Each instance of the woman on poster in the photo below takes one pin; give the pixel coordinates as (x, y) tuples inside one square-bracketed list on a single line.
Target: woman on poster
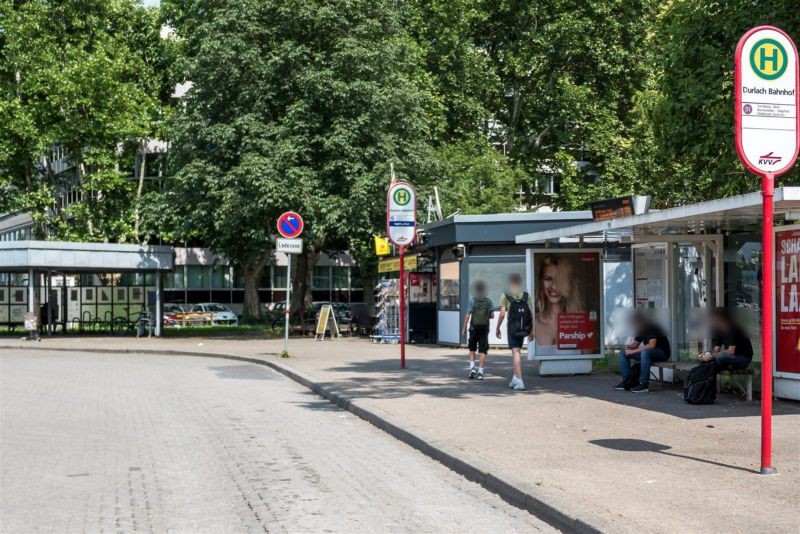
[(557, 291)]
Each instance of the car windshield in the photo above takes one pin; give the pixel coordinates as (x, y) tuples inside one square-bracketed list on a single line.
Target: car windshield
[(172, 308), (217, 308)]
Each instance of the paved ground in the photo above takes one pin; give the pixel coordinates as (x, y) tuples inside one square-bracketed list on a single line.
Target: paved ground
[(114, 442), (618, 461)]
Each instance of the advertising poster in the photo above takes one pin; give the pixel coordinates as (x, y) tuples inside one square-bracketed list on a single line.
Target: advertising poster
[(566, 303), (787, 301)]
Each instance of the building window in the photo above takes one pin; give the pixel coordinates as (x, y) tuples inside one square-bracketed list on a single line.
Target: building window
[(450, 287), (220, 277), (340, 277), (177, 278), (197, 277), (495, 276), (279, 277), (322, 278)]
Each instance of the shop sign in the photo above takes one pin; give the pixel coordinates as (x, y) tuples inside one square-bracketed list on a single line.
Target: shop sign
[(390, 265)]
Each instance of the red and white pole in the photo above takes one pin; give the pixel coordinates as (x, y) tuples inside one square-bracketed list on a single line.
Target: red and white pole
[(767, 311), (402, 294)]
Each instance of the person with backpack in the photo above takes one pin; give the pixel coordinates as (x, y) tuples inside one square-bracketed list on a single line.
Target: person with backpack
[(516, 305), (480, 311), (651, 345)]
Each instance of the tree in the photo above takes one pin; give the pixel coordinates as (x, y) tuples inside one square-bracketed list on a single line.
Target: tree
[(693, 117), (75, 79), (474, 178), (295, 105)]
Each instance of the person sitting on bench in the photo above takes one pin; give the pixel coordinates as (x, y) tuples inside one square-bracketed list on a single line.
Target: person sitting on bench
[(651, 345), (732, 348)]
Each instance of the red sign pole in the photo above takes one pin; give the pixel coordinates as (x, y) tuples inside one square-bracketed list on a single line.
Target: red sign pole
[(767, 97), (767, 311), (402, 307)]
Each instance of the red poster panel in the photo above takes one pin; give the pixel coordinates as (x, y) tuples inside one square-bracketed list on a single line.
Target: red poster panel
[(787, 301), (577, 330)]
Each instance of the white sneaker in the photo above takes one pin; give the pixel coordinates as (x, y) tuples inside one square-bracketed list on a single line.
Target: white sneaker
[(516, 384)]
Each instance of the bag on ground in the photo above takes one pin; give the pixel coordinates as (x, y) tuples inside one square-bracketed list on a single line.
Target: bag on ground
[(520, 319), (700, 386), (481, 312)]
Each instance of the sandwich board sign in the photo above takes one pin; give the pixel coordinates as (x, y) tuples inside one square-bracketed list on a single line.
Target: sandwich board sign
[(326, 316), (767, 100), (401, 214)]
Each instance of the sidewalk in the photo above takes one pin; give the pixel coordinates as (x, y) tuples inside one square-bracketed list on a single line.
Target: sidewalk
[(613, 460)]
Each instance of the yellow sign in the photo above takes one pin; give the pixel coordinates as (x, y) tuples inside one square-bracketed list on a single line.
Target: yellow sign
[(326, 315), (390, 265), (382, 246)]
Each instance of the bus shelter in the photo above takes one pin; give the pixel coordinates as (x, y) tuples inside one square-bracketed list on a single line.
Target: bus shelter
[(82, 287), (688, 259)]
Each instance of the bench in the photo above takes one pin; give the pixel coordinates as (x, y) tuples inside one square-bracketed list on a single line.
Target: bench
[(743, 372), (686, 366)]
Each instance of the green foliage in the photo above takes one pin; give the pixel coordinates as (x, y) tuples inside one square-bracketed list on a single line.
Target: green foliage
[(295, 105), (474, 178), (76, 75), (694, 120)]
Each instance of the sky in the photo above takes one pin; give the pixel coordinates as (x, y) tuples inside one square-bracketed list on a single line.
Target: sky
[(151, 2)]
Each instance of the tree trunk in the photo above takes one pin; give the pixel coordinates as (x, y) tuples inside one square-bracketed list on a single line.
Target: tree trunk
[(368, 279), (142, 152), (252, 300)]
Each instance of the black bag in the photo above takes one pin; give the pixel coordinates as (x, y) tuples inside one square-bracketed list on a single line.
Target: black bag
[(700, 386), (481, 312), (520, 318), (633, 376)]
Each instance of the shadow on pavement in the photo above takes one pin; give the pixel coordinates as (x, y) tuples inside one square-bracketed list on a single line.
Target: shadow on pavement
[(445, 377), (640, 445)]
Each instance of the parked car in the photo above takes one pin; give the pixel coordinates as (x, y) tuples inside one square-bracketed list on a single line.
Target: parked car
[(173, 315), (220, 315)]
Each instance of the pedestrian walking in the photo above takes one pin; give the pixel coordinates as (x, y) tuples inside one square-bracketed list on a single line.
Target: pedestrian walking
[(480, 311), (516, 304)]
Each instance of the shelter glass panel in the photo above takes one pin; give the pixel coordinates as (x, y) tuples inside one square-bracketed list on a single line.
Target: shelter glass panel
[(495, 274)]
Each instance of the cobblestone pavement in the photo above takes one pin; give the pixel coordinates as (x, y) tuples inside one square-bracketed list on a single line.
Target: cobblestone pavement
[(94, 442)]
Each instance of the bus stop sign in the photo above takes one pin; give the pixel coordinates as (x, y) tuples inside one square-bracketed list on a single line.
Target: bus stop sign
[(767, 100), (401, 213)]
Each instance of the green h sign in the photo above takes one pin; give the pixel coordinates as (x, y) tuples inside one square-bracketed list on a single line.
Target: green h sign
[(402, 197), (768, 59)]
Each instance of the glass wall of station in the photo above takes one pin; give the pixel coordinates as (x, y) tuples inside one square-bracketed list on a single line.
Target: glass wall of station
[(78, 302), (191, 284)]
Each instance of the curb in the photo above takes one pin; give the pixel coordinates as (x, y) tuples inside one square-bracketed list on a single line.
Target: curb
[(508, 492)]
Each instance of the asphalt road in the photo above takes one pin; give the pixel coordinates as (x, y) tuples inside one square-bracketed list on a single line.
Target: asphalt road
[(93, 442)]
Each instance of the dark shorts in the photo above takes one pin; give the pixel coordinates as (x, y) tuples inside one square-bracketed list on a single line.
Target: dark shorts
[(515, 342), (479, 339)]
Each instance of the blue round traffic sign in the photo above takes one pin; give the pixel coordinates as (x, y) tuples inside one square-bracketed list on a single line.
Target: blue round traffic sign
[(290, 225)]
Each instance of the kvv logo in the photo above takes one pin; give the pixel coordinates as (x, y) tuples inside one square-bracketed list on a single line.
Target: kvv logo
[(769, 159), (768, 59)]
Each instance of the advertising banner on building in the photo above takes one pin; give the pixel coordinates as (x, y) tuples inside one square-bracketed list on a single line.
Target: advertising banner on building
[(787, 301), (567, 303)]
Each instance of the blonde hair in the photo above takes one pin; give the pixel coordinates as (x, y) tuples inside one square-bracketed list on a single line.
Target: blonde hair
[(564, 281)]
